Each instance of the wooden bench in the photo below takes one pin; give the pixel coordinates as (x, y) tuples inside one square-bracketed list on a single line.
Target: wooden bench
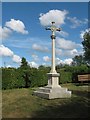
[(85, 77)]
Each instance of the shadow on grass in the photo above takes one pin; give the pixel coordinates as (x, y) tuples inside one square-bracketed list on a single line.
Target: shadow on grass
[(28, 106), (75, 107), (81, 93)]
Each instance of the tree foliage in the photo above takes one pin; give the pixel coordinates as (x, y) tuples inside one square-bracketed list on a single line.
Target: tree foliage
[(78, 60), (24, 76), (25, 68), (86, 46), (24, 63), (11, 78)]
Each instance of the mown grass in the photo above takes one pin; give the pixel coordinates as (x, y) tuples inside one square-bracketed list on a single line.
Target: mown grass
[(20, 103)]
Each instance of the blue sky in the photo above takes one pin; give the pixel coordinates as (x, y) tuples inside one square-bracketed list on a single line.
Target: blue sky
[(24, 34)]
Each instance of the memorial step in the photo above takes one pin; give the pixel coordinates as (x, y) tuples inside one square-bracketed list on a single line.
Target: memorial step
[(41, 94), (43, 89), (52, 95)]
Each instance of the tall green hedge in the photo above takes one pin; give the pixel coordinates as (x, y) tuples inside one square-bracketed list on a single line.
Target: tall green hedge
[(13, 78), (65, 77), (77, 70)]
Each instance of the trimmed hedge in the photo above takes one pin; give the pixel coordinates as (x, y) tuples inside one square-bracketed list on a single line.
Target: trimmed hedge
[(14, 78), (65, 77), (11, 78), (76, 70)]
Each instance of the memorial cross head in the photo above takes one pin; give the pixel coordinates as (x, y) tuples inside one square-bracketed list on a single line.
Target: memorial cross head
[(53, 29)]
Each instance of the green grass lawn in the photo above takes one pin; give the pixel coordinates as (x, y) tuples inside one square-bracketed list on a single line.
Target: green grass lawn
[(20, 103)]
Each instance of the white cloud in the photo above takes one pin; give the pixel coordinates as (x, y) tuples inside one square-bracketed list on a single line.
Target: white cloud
[(65, 61), (35, 57), (68, 53), (85, 21), (66, 44), (57, 16), (4, 33), (58, 61), (33, 64), (62, 33), (8, 66), (67, 48), (58, 51), (10, 26), (76, 22), (74, 52), (83, 32), (16, 58), (40, 48), (68, 61), (46, 59), (5, 51), (17, 26)]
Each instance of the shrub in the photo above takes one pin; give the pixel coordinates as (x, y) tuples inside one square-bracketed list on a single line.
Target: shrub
[(65, 77), (11, 78)]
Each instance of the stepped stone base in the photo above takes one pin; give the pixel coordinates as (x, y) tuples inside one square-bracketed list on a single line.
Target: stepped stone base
[(52, 93), (53, 89)]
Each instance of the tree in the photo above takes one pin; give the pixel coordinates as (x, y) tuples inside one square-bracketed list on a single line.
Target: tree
[(86, 46), (26, 77), (24, 63), (41, 67), (78, 60), (25, 68)]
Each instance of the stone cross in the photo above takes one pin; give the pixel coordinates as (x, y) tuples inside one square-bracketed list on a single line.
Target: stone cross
[(53, 29), (53, 89)]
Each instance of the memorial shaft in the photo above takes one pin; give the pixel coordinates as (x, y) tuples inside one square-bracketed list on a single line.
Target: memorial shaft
[(53, 30), (53, 54), (53, 90)]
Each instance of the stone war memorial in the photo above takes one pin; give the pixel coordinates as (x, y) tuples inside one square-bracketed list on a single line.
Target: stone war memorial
[(53, 89)]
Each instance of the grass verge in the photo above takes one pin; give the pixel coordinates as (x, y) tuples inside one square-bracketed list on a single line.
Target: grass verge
[(20, 103)]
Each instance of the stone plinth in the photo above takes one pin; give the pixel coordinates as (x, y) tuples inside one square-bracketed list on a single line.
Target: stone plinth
[(53, 89)]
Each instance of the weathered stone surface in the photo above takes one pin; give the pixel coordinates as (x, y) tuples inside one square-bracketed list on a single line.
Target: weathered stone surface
[(52, 92), (53, 89)]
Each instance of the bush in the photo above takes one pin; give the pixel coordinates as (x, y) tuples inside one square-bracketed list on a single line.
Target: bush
[(65, 77), (11, 78), (15, 78), (76, 70), (39, 77)]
